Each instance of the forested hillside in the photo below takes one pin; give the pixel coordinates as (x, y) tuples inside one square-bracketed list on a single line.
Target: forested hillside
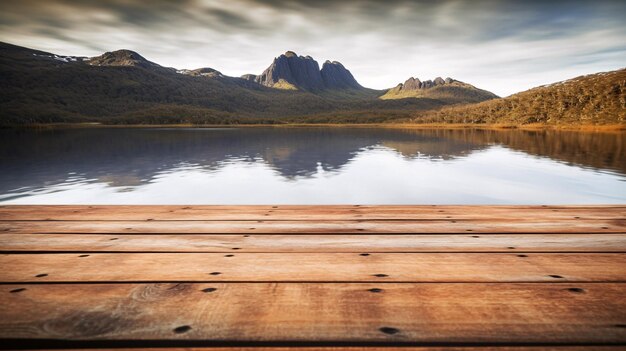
[(592, 99)]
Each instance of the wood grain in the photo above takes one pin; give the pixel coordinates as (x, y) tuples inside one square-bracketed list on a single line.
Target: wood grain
[(430, 314), (319, 267), (371, 348), (381, 277), (314, 243), (284, 212), (315, 227)]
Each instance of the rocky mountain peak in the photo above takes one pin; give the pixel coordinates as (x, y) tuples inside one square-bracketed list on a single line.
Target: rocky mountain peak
[(447, 89), (416, 84), (336, 76), (303, 73), (121, 58), (294, 71), (412, 84)]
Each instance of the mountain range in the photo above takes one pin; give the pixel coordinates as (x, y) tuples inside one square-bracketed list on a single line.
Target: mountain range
[(123, 87)]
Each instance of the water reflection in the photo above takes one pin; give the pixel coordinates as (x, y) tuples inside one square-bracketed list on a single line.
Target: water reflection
[(37, 163)]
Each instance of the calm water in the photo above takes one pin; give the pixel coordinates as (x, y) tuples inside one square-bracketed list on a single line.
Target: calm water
[(310, 166)]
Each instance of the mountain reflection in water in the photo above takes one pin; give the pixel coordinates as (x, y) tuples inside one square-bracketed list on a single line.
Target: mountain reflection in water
[(37, 163)]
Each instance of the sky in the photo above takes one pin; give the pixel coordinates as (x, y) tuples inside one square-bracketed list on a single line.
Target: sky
[(503, 46)]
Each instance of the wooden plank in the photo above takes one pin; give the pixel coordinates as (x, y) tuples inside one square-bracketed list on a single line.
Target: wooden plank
[(315, 243), (412, 314), (309, 267), (346, 212), (371, 348), (313, 227)]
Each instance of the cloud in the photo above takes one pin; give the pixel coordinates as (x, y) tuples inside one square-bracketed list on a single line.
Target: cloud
[(503, 46)]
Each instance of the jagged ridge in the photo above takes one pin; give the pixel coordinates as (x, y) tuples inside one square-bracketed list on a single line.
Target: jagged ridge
[(450, 89), (336, 76), (303, 73)]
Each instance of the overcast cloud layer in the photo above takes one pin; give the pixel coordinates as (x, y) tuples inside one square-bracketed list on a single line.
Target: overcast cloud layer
[(501, 46)]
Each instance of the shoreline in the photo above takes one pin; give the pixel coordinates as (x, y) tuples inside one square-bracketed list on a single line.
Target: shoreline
[(581, 128)]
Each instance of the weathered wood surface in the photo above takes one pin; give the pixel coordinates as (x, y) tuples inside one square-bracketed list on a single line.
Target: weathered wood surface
[(332, 277), (268, 312), (317, 227), (314, 243), (373, 348), (320, 267), (289, 212)]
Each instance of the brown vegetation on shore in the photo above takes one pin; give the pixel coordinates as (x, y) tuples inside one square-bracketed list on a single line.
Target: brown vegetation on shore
[(587, 100)]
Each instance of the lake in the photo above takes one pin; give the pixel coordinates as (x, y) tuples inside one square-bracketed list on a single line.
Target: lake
[(346, 165)]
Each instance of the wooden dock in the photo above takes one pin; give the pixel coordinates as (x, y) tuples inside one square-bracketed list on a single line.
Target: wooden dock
[(324, 277)]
